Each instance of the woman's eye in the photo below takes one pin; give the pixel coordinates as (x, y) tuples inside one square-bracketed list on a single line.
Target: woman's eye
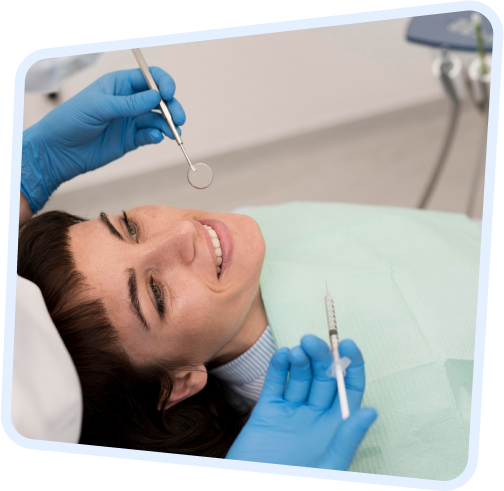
[(130, 227), (156, 290), (132, 231), (159, 296)]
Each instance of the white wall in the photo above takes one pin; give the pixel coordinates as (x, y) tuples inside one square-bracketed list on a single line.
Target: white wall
[(245, 91)]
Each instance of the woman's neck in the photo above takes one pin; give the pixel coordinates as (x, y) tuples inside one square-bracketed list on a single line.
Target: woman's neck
[(252, 329)]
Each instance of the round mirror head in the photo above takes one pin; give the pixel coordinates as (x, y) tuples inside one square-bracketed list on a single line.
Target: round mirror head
[(201, 178)]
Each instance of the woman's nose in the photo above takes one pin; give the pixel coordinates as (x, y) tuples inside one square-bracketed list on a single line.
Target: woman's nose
[(174, 244)]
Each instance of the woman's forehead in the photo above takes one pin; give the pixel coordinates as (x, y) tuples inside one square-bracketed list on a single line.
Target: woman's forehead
[(164, 212), (158, 209)]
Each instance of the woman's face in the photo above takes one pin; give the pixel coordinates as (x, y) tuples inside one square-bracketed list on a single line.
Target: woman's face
[(156, 269)]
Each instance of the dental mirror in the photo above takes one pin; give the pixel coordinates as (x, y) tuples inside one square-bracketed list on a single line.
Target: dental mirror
[(201, 177)]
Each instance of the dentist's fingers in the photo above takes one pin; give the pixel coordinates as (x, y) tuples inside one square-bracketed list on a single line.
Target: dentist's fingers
[(156, 120), (355, 379), (276, 376), (147, 136), (153, 120), (164, 82), (323, 387), (300, 376), (109, 107), (346, 441), (177, 112)]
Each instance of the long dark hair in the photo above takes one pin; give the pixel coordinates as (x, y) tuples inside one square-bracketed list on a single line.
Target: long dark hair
[(120, 398)]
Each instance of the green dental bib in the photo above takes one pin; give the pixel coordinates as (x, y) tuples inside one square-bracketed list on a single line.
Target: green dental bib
[(405, 285)]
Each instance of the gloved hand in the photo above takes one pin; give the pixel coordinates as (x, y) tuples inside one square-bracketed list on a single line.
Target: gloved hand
[(301, 424), (100, 124)]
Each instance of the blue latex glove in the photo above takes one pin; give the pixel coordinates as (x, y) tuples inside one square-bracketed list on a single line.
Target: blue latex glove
[(100, 124), (300, 424)]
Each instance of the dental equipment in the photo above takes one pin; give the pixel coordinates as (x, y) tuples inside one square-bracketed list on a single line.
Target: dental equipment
[(449, 69), (457, 31), (476, 22), (339, 365), (200, 176)]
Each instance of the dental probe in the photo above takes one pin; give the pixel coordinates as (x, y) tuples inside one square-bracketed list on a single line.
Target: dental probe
[(200, 176), (339, 363)]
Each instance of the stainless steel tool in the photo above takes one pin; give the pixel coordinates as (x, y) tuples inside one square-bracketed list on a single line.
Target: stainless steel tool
[(200, 176)]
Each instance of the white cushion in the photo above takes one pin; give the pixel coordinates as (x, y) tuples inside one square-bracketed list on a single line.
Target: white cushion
[(46, 393)]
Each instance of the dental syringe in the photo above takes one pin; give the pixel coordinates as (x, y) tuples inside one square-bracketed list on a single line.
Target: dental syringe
[(339, 364)]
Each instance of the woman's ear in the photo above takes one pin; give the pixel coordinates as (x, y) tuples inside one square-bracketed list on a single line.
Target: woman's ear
[(186, 383)]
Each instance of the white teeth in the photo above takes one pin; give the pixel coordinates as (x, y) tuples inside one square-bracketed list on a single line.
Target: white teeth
[(216, 245)]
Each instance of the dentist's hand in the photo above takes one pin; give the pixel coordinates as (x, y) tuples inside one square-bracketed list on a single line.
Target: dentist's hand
[(100, 124), (300, 424)]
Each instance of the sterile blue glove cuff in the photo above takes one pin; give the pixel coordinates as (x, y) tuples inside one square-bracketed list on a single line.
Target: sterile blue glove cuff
[(35, 164)]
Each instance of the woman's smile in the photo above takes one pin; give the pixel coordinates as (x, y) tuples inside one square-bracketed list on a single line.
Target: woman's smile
[(211, 247), (220, 243)]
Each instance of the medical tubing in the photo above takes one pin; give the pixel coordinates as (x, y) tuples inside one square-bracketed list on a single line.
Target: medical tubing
[(454, 116), (480, 165)]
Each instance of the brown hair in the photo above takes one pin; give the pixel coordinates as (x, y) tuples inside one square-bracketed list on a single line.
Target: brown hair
[(120, 398)]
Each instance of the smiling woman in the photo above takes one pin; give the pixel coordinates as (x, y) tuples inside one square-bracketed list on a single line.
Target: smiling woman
[(143, 310), (155, 270)]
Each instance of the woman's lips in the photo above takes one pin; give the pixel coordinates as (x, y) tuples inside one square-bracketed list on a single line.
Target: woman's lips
[(225, 239)]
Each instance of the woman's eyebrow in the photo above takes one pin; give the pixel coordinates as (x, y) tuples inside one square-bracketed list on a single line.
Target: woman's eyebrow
[(132, 281), (104, 219), (133, 297)]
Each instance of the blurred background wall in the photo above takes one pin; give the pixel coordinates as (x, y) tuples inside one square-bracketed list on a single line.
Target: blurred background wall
[(347, 113)]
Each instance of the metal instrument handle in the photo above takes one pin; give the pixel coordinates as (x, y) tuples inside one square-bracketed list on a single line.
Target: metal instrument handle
[(152, 85)]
